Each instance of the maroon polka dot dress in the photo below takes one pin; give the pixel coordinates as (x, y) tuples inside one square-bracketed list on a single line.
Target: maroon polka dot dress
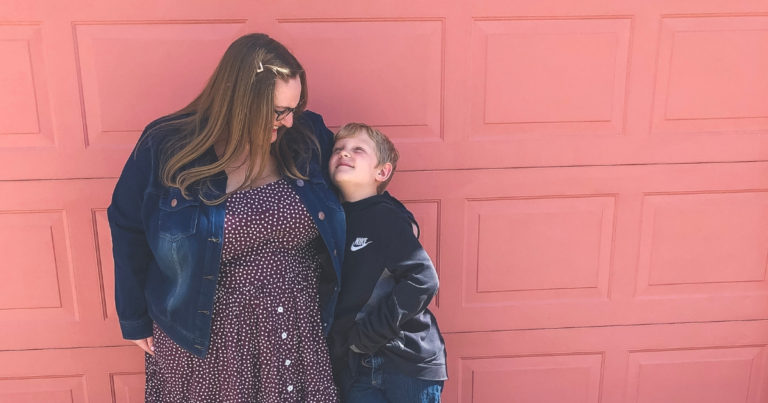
[(266, 339)]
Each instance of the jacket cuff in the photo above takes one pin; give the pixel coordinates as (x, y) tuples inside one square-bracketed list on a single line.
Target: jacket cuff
[(136, 329)]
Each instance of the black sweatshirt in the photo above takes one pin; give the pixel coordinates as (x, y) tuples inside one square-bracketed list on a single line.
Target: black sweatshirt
[(387, 282)]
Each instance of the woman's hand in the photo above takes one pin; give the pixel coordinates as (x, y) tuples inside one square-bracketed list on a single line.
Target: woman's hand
[(147, 344)]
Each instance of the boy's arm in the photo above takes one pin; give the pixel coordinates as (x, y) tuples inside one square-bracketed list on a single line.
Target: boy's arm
[(416, 283)]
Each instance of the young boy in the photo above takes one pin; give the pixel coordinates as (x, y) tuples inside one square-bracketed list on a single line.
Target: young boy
[(385, 344)]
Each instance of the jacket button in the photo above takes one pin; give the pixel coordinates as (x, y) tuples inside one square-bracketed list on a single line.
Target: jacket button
[(321, 215), (174, 202), (334, 252), (299, 182)]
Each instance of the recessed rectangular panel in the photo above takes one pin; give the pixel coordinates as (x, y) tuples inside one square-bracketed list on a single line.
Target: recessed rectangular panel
[(128, 387), (549, 75), (712, 74), (694, 376), (18, 106), (521, 67), (85, 374), (556, 244), (49, 389), (134, 73), (708, 362), (31, 246), (387, 73), (50, 265), (525, 379), (24, 110), (704, 238)]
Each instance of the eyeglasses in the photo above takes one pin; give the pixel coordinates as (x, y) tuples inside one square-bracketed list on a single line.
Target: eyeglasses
[(280, 115)]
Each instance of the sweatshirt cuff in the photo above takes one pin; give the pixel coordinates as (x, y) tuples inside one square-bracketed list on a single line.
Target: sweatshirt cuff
[(136, 329)]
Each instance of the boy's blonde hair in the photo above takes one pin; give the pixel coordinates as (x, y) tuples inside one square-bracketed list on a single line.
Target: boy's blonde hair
[(385, 150)]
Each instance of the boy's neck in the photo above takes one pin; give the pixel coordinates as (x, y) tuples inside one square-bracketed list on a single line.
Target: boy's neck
[(357, 194)]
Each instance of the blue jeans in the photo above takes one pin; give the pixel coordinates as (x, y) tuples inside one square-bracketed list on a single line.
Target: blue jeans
[(368, 383)]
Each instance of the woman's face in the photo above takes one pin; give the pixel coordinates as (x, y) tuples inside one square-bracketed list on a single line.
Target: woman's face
[(287, 96)]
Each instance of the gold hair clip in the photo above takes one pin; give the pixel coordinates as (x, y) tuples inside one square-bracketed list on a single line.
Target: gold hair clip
[(275, 69), (280, 70)]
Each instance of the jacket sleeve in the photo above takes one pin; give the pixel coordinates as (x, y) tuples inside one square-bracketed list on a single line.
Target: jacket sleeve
[(415, 285), (130, 249)]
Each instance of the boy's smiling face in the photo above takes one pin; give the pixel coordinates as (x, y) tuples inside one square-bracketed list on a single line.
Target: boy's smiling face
[(354, 167)]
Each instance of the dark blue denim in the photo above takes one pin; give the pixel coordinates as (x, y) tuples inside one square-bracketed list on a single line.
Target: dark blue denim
[(167, 248), (367, 382)]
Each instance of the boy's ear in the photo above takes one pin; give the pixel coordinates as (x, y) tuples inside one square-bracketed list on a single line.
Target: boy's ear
[(384, 172)]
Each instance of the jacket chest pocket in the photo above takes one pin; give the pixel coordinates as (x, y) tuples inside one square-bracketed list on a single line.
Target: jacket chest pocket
[(178, 216)]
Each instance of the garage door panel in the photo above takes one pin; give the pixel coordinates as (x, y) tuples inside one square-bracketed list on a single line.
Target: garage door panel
[(169, 62), (711, 76), (687, 363), (525, 81), (640, 88), (518, 245), (128, 387), (577, 377), (54, 237), (696, 375), (41, 281), (45, 389), (599, 245), (404, 99), (25, 117), (704, 238), (72, 375)]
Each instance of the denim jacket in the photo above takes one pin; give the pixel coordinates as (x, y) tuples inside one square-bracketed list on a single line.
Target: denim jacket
[(167, 249)]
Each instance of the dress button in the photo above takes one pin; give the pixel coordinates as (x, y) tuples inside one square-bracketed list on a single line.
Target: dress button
[(174, 202), (321, 215), (287, 362), (299, 182), (280, 309), (284, 335), (290, 388)]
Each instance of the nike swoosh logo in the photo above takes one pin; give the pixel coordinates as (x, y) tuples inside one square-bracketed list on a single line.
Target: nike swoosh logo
[(355, 248)]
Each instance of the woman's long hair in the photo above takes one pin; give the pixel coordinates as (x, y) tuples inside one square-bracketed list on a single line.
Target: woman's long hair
[(235, 111)]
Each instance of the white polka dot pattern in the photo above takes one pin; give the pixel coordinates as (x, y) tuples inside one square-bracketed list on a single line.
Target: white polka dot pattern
[(266, 339)]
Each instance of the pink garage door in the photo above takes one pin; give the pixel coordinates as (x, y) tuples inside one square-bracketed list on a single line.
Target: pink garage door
[(591, 178)]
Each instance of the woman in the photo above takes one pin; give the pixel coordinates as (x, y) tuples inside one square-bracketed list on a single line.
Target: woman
[(227, 240)]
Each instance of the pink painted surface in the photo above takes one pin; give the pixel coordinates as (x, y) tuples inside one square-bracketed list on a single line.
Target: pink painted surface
[(591, 179)]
